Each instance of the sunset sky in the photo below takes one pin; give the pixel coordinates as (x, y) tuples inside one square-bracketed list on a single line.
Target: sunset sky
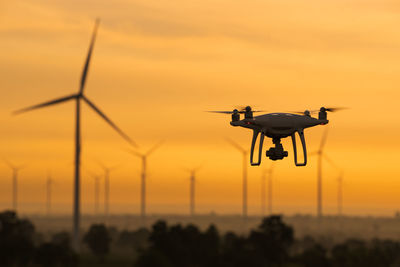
[(158, 65)]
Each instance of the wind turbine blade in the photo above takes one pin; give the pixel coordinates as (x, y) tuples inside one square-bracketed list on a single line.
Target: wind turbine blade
[(102, 165), (323, 140), (198, 168), (93, 175), (20, 167), (9, 164), (330, 161), (236, 145), (135, 153), (89, 56), (151, 150), (313, 153), (45, 104), (115, 127)]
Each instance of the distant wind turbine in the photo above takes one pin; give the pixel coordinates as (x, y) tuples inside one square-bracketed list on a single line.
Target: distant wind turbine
[(321, 155), (266, 178), (340, 194), (107, 171), (15, 171), (143, 157), (97, 179), (49, 183), (245, 153), (77, 97), (192, 189)]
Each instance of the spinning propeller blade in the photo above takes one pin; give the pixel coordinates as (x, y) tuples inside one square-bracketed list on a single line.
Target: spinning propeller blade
[(222, 112), (333, 109), (231, 112)]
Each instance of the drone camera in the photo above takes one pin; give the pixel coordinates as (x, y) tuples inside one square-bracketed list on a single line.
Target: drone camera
[(277, 152)]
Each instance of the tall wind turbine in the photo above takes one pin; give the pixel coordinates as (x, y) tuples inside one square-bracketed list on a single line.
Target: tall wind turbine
[(192, 189), (321, 156), (15, 171), (143, 157), (107, 171), (245, 154), (49, 183), (77, 97), (266, 178)]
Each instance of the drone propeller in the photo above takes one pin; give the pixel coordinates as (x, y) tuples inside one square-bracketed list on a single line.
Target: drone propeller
[(224, 112), (240, 110), (231, 112), (333, 109)]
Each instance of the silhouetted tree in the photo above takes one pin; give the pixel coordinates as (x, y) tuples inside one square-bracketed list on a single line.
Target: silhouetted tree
[(137, 240), (236, 252), (98, 240), (359, 253), (58, 252), (16, 240), (271, 241), (181, 246), (314, 256)]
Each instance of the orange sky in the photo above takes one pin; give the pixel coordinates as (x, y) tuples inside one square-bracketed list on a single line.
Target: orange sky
[(157, 65)]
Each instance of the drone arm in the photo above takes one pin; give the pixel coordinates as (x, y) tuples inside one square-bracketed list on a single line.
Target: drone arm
[(303, 142), (253, 143)]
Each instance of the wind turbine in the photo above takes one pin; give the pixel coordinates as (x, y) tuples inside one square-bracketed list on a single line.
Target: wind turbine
[(266, 177), (244, 174), (107, 171), (321, 156), (340, 194), (192, 189), (15, 170), (96, 192), (49, 183), (77, 97), (143, 157)]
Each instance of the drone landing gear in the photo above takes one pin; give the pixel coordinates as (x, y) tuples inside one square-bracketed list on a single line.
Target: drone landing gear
[(277, 152)]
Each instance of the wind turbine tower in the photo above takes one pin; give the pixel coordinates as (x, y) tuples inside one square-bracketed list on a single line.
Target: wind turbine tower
[(340, 194), (192, 190), (245, 154), (78, 97), (266, 179), (49, 183), (15, 171), (143, 157), (321, 156), (107, 171), (96, 179)]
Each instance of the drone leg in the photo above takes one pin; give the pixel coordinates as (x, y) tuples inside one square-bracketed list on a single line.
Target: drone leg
[(253, 143), (303, 142)]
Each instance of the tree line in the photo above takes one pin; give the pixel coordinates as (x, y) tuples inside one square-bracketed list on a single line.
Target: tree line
[(272, 243)]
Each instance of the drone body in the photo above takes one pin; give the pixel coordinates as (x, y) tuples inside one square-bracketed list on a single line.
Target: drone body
[(277, 126)]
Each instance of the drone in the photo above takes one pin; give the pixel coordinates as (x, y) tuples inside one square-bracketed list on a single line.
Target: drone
[(278, 126)]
